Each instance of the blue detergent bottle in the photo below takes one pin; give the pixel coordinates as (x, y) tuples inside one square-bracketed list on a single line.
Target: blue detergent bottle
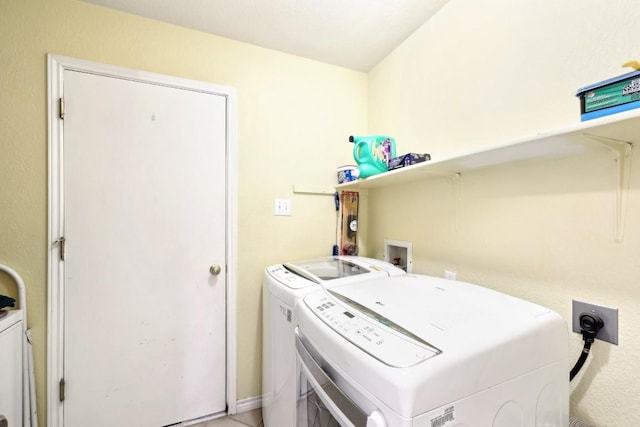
[(372, 153)]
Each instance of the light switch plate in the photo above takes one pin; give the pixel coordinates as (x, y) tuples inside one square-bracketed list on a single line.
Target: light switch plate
[(282, 207)]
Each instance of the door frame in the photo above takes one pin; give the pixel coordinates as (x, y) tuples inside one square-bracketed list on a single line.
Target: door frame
[(56, 65)]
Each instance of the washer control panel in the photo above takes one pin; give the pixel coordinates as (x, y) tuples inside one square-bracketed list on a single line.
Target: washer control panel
[(286, 277), (370, 335)]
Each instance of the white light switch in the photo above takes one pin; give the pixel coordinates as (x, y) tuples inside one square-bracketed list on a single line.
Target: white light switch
[(283, 207)]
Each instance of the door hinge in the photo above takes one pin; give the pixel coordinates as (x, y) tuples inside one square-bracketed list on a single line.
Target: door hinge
[(61, 108), (61, 390), (61, 245)]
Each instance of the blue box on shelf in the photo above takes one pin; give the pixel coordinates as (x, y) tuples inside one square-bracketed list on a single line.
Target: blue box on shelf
[(407, 160), (610, 96)]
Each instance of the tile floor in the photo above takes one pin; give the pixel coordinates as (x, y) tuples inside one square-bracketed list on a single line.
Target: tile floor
[(250, 419)]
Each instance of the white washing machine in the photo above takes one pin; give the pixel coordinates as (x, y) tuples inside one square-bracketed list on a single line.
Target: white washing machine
[(419, 351), (11, 368), (283, 285)]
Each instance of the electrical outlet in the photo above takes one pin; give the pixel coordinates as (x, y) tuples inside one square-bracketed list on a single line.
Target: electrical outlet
[(450, 275), (609, 316)]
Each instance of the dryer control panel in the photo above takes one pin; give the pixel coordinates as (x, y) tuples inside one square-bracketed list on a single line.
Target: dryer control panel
[(286, 277), (329, 270), (380, 339)]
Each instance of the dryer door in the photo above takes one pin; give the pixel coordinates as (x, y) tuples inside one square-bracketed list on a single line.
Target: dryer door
[(323, 400)]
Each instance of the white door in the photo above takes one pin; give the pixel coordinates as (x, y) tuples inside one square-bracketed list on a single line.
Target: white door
[(144, 219)]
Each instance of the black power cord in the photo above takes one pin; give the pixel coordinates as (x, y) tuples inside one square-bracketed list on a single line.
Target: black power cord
[(6, 302), (590, 324)]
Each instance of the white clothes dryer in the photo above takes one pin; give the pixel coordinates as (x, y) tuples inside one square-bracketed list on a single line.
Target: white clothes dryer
[(420, 351), (11, 368), (283, 284)]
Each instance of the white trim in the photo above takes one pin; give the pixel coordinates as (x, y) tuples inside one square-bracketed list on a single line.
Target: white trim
[(243, 405), (56, 65), (232, 247), (249, 404), (55, 269)]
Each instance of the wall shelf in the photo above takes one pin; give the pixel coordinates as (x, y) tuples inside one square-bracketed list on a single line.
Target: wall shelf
[(617, 132)]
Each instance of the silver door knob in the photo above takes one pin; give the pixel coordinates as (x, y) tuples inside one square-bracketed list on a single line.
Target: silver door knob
[(215, 269)]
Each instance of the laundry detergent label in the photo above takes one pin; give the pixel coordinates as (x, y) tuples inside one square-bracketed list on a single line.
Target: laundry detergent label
[(286, 313), (447, 417), (611, 95)]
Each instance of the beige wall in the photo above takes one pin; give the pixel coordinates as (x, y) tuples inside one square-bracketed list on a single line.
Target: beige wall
[(477, 74), (484, 73), (295, 116)]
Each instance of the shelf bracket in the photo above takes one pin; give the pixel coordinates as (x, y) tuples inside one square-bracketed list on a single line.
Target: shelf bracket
[(621, 151), (315, 191)]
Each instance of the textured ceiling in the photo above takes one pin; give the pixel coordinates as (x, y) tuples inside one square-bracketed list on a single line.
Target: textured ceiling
[(355, 34)]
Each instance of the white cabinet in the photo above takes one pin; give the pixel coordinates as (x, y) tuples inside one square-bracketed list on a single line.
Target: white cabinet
[(11, 369)]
